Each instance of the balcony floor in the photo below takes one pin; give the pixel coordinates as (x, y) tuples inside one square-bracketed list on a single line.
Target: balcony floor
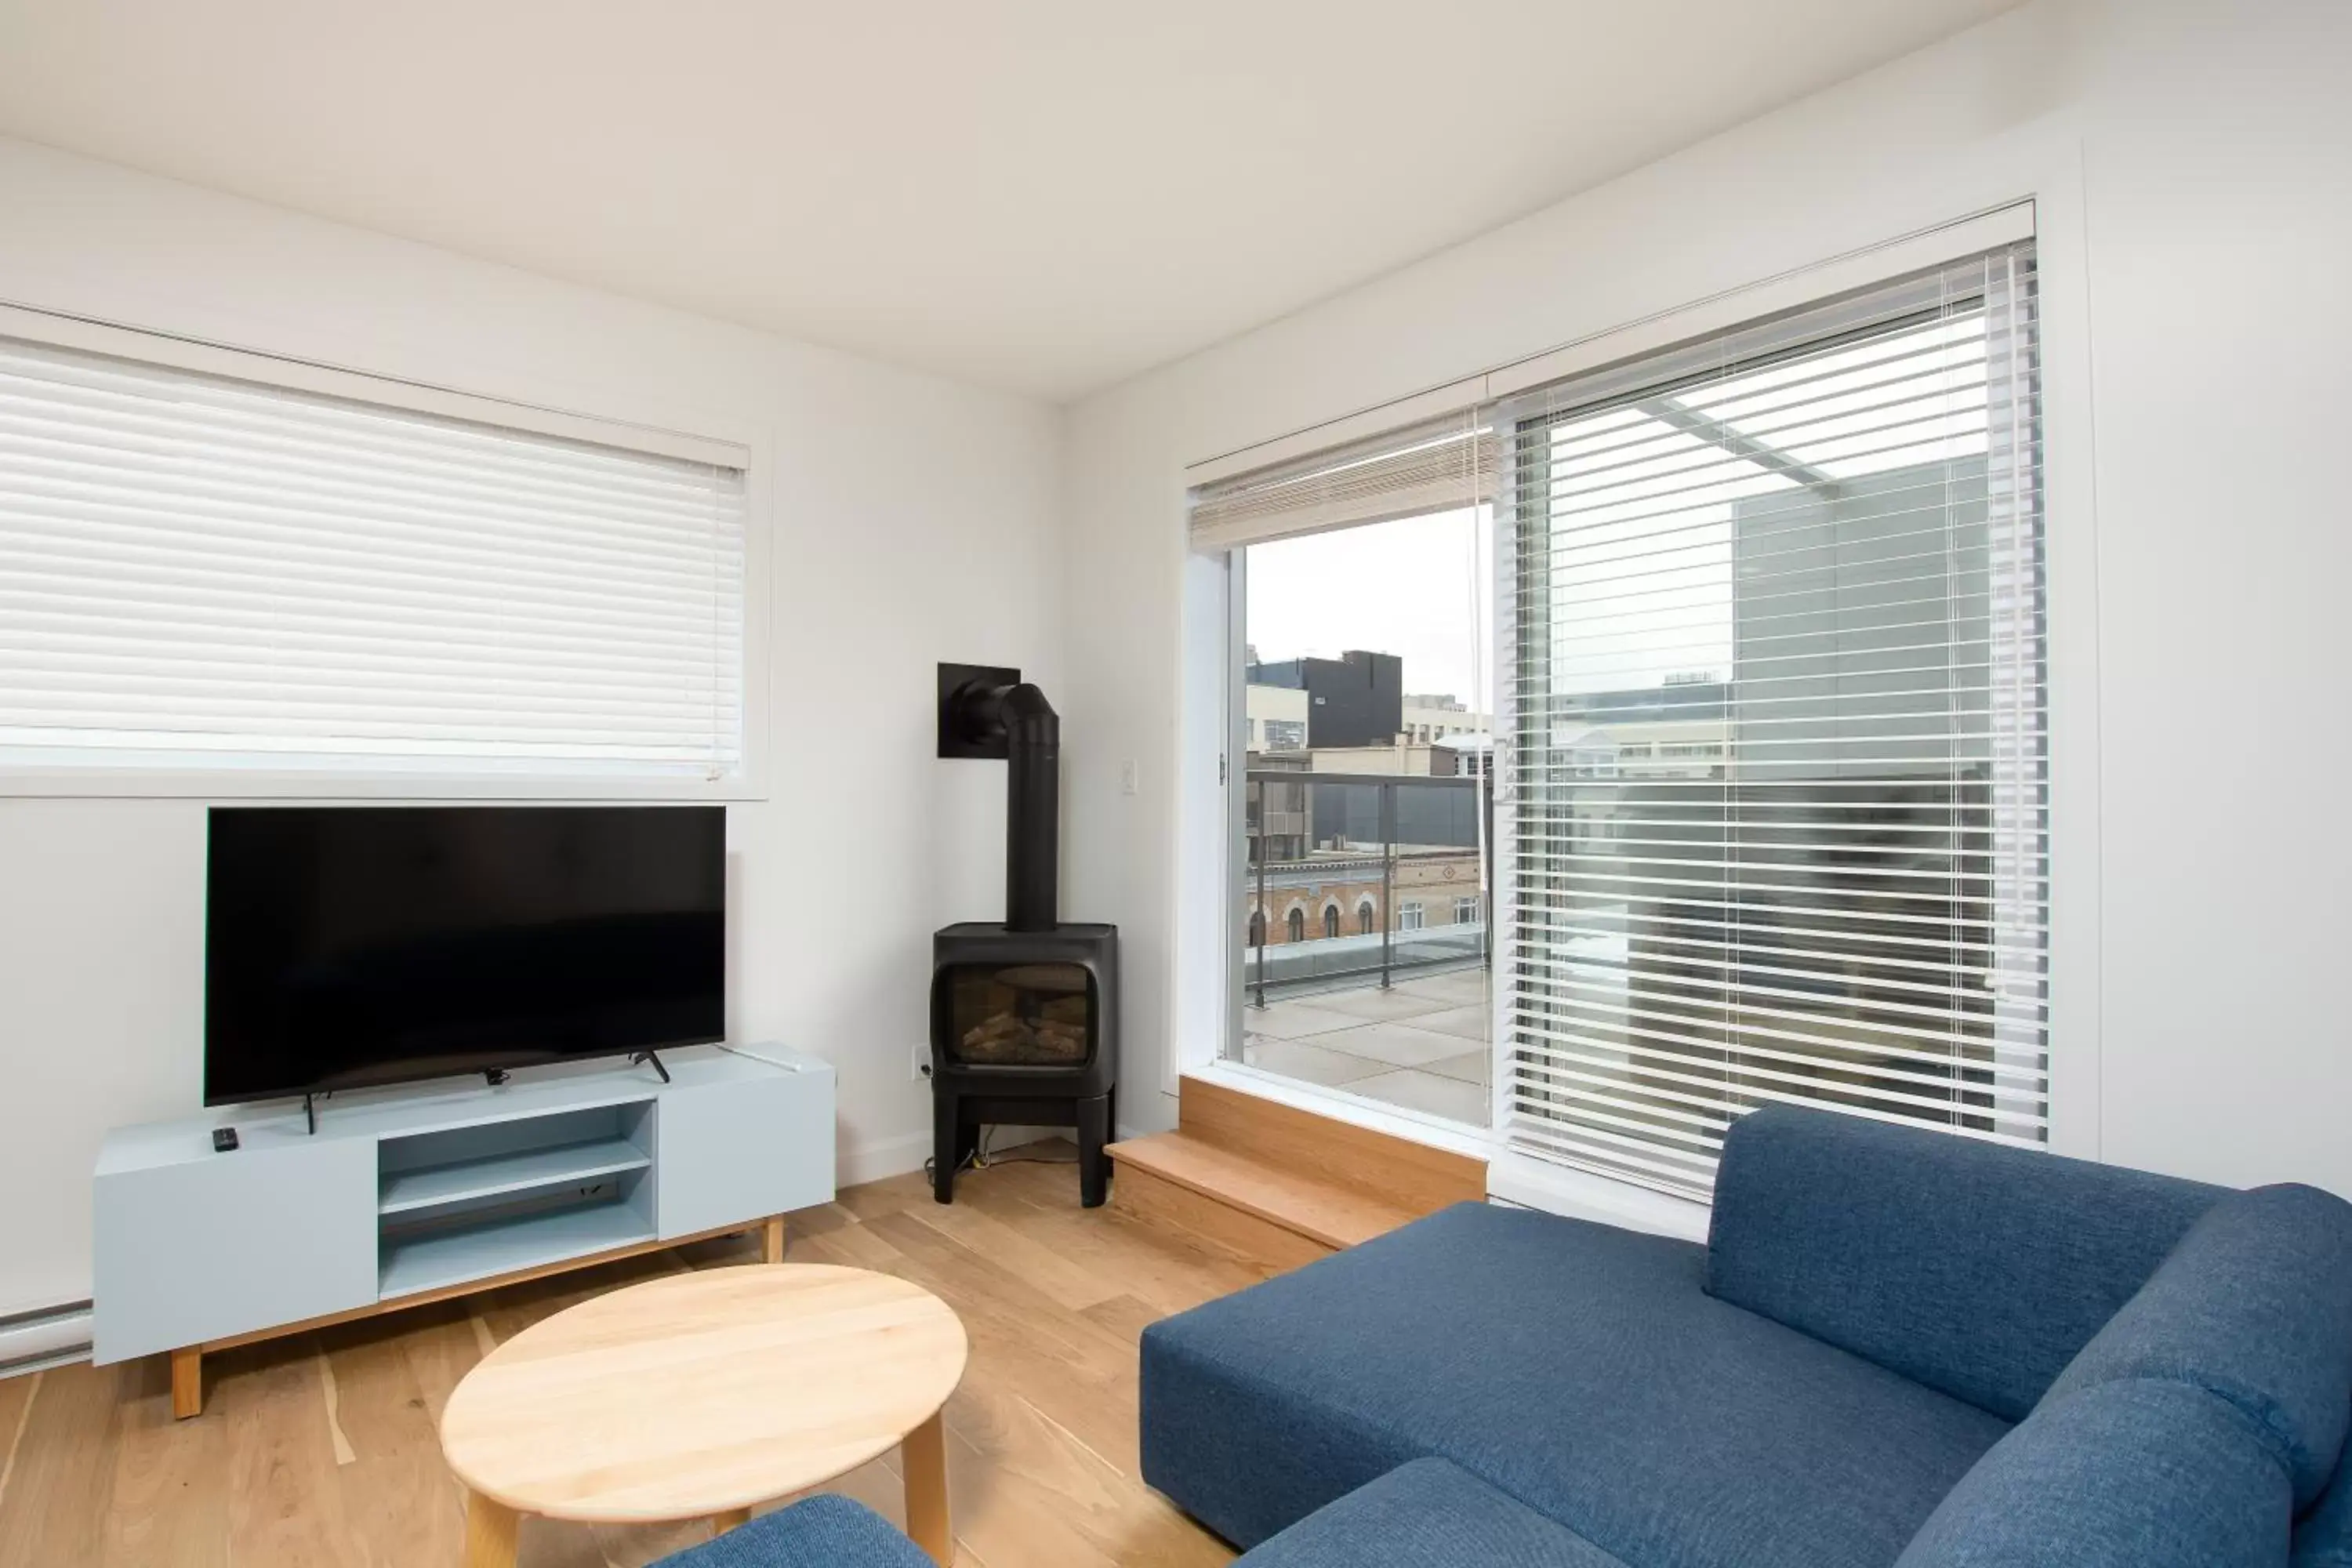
[(1420, 1046)]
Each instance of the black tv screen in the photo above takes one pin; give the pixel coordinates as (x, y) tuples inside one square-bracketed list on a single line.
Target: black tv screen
[(351, 946)]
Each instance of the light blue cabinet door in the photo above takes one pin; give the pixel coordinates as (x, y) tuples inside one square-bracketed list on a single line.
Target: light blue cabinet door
[(221, 1245), (740, 1149)]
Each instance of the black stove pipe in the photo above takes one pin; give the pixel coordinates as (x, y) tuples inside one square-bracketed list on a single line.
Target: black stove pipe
[(1033, 806)]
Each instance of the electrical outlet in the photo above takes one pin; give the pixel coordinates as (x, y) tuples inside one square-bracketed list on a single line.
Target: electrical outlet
[(922, 1073)]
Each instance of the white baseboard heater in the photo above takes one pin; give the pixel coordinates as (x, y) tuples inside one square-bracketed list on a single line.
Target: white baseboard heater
[(45, 1337)]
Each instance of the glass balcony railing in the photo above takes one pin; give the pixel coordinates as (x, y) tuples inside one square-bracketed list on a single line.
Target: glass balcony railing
[(1363, 877), (1360, 883)]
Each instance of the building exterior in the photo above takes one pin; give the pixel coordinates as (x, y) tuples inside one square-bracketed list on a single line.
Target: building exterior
[(1329, 861), (1282, 714), (1435, 718), (1338, 895), (1355, 699)]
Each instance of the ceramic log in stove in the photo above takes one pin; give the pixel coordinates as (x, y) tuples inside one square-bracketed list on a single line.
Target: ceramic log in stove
[(1024, 1014)]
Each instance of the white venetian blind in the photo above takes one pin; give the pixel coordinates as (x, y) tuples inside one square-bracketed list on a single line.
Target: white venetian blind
[(203, 572), (1442, 465), (1780, 817)]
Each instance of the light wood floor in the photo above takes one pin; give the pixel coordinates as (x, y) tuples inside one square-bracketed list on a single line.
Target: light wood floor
[(320, 1449)]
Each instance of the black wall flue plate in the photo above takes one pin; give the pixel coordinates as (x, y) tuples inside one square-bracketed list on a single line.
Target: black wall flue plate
[(956, 739)]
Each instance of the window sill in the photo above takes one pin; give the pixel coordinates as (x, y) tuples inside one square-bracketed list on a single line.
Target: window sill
[(1511, 1177), (1530, 1183)]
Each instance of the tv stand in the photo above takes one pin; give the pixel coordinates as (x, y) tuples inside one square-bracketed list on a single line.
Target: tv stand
[(655, 1057), (433, 1191), (495, 1077)]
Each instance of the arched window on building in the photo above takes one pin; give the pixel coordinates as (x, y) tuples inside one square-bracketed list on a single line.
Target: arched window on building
[(1298, 925), (1330, 920), (1257, 928), (1364, 918)]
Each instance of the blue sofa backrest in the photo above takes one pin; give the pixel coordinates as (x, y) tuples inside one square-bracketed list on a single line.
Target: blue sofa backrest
[(2122, 1475), (2254, 1306), (1974, 1267)]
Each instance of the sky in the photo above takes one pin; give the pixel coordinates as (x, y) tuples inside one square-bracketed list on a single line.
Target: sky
[(1415, 588)]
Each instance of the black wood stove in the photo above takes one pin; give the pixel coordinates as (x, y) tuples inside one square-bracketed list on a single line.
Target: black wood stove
[(1024, 1015)]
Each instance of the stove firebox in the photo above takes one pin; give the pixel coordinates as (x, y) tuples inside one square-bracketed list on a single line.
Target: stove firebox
[(1022, 1032), (1024, 1014)]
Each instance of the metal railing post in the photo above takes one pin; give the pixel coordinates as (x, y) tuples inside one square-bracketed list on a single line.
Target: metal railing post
[(1486, 893), (1388, 878), (1265, 915)]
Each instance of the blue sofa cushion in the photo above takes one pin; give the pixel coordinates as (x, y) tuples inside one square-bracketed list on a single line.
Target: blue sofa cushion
[(2255, 1305), (1576, 1367), (2122, 1475), (1428, 1514), (2323, 1536), (821, 1531), (1972, 1268)]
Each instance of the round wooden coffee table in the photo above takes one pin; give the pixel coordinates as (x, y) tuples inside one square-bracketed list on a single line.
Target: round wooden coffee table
[(700, 1395)]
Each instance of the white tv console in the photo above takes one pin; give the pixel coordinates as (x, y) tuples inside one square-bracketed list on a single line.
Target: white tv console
[(404, 1196)]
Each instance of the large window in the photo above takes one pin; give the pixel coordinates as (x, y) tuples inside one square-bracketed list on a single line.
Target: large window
[(1789, 582), (200, 572)]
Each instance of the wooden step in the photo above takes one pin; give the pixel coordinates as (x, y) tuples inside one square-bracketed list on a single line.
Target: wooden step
[(1416, 1178), (1280, 1186), (1209, 1223), (1305, 1206)]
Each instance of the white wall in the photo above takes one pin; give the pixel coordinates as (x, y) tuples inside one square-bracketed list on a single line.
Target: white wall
[(2193, 158), (885, 564)]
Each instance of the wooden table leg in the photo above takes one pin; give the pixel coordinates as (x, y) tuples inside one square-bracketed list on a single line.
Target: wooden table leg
[(923, 1456), (491, 1528), (772, 1240), (721, 1524), (187, 1382)]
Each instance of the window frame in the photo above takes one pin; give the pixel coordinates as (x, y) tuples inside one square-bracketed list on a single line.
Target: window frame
[(696, 439), (1863, 236)]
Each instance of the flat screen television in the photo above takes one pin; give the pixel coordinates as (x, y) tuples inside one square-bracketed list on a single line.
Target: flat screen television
[(349, 946)]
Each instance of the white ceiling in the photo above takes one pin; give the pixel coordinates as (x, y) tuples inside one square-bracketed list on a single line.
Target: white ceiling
[(1049, 195)]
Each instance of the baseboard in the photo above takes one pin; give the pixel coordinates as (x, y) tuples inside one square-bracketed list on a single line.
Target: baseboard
[(873, 1161), (49, 1337), (887, 1157)]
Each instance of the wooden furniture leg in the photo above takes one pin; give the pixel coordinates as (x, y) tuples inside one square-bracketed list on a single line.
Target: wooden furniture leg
[(187, 1382), (774, 1240), (721, 1524), (490, 1528), (923, 1456)]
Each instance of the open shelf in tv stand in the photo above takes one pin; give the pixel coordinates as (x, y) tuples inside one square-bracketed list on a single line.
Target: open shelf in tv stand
[(403, 1197)]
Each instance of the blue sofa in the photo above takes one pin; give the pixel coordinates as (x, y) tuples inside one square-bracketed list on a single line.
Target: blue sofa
[(827, 1531), (1896, 1347)]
